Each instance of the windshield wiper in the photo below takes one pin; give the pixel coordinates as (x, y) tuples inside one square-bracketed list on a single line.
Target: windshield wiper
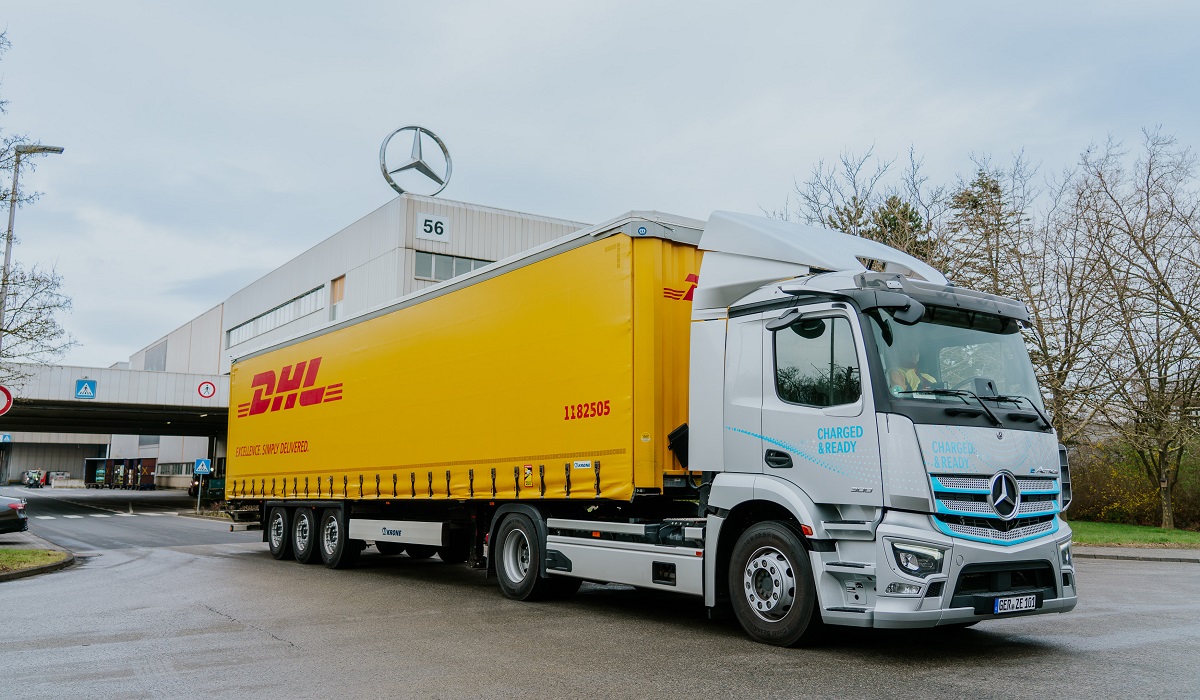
[(1017, 399), (959, 393)]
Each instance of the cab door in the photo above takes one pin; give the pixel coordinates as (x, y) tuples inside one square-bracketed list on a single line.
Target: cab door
[(818, 420)]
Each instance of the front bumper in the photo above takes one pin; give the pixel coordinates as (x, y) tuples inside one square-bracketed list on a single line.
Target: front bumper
[(973, 575)]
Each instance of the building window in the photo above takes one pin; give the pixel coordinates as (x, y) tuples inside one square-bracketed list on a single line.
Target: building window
[(148, 440), (285, 313), (173, 468), (156, 358), (337, 293), (816, 363), (436, 267)]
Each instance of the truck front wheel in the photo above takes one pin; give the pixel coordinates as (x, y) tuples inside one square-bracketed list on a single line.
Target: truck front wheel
[(337, 550), (518, 553), (771, 585), (279, 533)]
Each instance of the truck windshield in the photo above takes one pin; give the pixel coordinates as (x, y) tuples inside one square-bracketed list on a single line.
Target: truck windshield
[(950, 352)]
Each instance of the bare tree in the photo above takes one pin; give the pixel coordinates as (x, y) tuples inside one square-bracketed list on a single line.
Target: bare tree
[(1069, 313), (854, 197), (1141, 220), (32, 335)]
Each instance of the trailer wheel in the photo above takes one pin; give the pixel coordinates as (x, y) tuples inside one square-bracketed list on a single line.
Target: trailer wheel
[(279, 533), (337, 550), (518, 557), (389, 548), (420, 551), (304, 536), (771, 585)]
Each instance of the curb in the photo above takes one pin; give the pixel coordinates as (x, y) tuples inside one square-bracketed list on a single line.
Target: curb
[(1135, 557), (43, 569)]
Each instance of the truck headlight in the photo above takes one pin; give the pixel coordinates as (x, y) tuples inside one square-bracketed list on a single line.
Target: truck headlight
[(1064, 553), (916, 560)]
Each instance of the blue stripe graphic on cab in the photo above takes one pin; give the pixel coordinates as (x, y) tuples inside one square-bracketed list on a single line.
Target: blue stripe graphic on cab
[(790, 448)]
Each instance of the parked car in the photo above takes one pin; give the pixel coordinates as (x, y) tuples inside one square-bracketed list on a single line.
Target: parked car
[(12, 515)]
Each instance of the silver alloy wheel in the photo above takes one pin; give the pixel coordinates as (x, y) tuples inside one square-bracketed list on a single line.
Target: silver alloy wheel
[(277, 533), (329, 541), (516, 556), (303, 533), (770, 584)]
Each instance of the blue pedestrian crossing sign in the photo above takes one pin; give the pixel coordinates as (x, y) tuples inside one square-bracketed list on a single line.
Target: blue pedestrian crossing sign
[(203, 466), (85, 388)]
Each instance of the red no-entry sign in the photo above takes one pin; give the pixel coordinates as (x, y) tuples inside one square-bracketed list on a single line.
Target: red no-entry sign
[(6, 400)]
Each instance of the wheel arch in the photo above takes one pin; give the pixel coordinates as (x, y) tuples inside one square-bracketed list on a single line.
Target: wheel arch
[(741, 518), (539, 524)]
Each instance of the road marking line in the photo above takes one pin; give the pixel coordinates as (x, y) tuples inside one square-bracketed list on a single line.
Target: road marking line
[(99, 515), (44, 517), (72, 516), (126, 515)]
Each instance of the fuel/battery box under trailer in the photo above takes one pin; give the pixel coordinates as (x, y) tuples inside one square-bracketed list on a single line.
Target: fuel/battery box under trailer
[(598, 409)]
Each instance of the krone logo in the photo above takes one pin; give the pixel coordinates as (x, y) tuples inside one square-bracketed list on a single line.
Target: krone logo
[(1005, 495), (416, 164)]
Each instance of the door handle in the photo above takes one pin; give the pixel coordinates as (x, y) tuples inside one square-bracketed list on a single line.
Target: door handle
[(777, 460)]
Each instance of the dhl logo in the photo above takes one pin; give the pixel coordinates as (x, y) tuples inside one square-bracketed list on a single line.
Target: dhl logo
[(294, 385), (682, 294)]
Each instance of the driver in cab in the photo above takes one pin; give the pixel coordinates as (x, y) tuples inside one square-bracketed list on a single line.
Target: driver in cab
[(906, 375)]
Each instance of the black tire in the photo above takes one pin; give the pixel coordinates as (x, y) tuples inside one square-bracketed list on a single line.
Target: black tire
[(304, 536), (336, 549), (771, 586), (389, 548), (420, 551), (279, 533), (518, 552)]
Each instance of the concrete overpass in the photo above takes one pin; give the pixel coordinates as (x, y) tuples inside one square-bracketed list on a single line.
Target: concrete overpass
[(64, 399)]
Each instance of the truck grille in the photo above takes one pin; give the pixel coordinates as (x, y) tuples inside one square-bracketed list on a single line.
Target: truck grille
[(989, 530), (980, 483), (963, 509)]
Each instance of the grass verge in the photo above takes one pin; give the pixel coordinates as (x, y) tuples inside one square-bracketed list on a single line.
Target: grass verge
[(18, 559), (1113, 535)]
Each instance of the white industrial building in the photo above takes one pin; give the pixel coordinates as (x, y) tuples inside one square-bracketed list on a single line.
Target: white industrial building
[(410, 243)]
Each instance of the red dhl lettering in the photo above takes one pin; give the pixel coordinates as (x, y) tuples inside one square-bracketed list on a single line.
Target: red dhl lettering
[(294, 385), (683, 294)]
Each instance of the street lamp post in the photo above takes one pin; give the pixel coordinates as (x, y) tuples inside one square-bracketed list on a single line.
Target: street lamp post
[(23, 149)]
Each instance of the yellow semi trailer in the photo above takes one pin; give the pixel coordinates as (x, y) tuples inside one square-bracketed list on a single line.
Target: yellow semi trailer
[(678, 405), (558, 379)]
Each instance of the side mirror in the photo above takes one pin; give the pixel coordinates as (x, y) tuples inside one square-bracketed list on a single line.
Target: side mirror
[(788, 318), (911, 314)]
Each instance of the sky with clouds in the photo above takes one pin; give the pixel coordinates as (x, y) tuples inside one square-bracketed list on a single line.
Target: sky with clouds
[(207, 143)]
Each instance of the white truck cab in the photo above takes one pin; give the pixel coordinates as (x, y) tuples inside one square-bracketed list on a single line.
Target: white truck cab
[(880, 433)]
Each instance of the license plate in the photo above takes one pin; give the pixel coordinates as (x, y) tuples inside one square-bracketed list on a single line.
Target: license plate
[(1017, 603)]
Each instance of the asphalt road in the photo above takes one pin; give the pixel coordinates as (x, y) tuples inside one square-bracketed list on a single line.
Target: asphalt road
[(228, 621), (85, 520)]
